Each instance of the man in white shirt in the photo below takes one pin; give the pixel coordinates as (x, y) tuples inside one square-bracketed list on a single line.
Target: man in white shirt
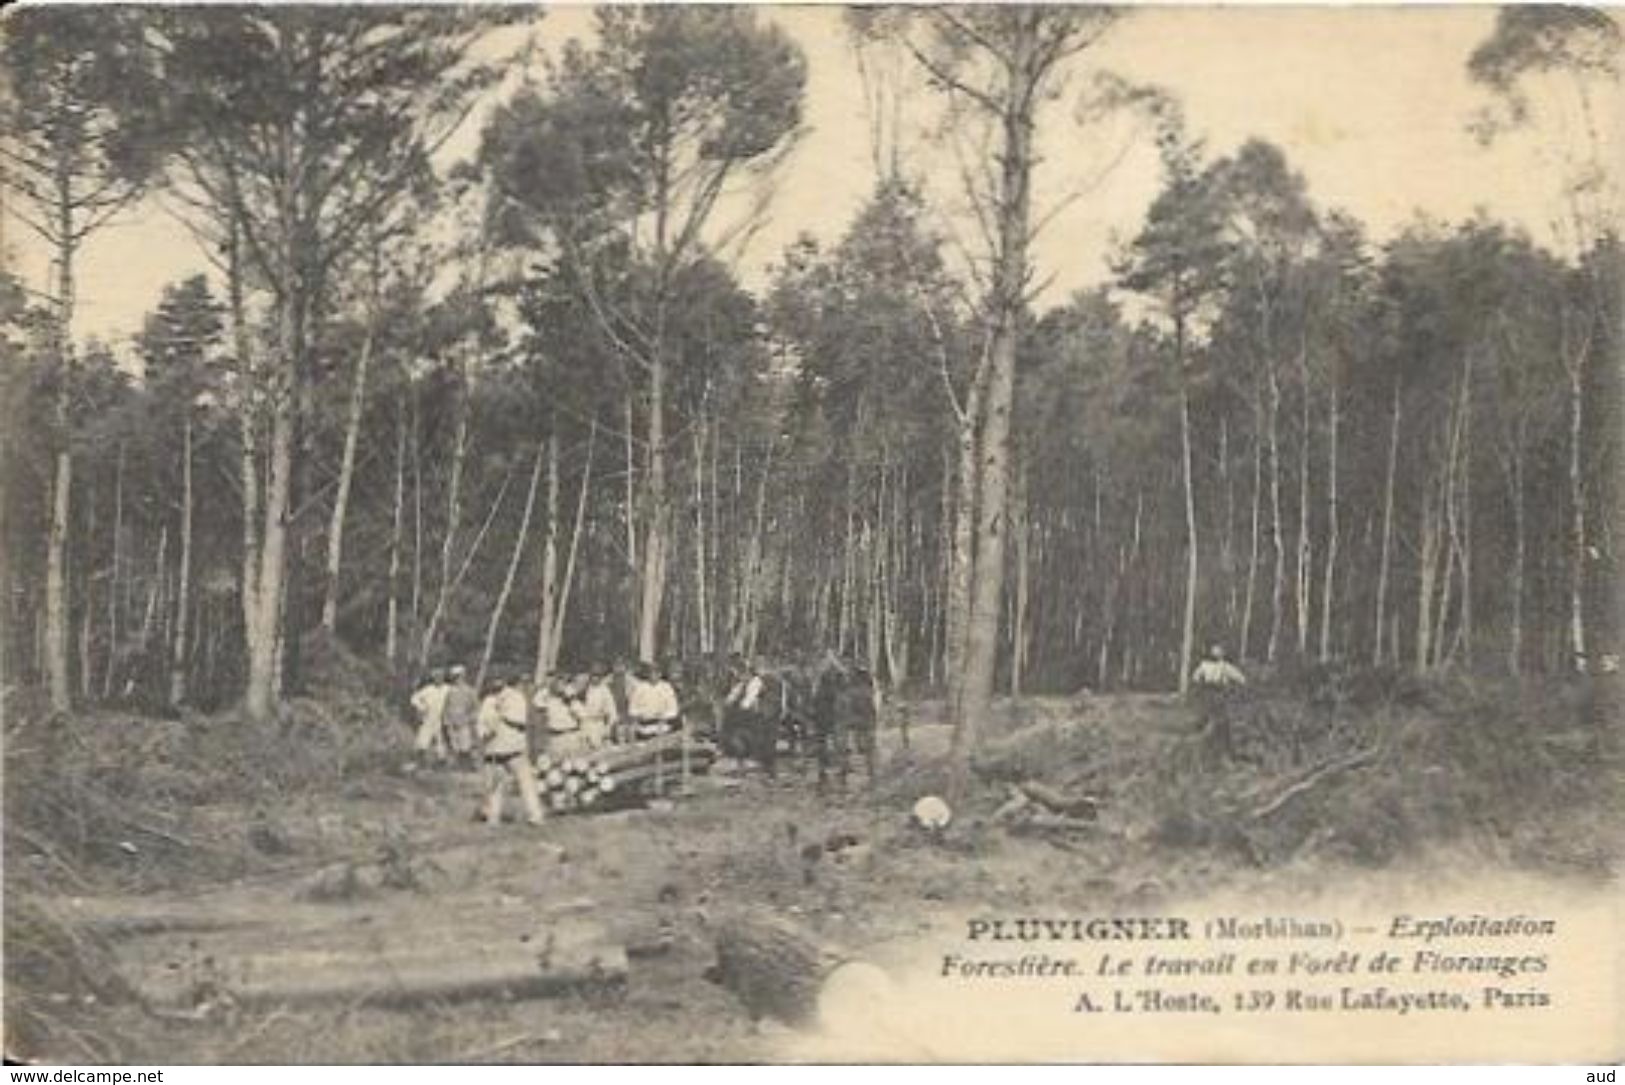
[(746, 693), (429, 702), (1216, 683), (502, 729), (561, 726), (597, 710), (652, 703), (1216, 670)]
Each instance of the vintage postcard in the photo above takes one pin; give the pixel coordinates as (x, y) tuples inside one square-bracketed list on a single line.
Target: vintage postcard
[(779, 534)]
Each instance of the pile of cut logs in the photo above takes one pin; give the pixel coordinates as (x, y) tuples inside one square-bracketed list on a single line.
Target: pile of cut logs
[(615, 775)]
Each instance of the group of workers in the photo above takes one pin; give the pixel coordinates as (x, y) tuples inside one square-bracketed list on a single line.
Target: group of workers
[(510, 721)]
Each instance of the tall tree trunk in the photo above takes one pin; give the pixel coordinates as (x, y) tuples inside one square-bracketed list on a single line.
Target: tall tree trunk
[(1187, 635), (1328, 583), (744, 638), (1277, 536), (1021, 526), (56, 554), (1427, 559), (116, 580), (1443, 646), (501, 604), (1305, 557), (267, 636), (702, 593), (1466, 627), (392, 634), (653, 579), (87, 601), (1244, 649), (546, 620), (341, 500), (1574, 361), (417, 512), (264, 635), (1009, 284), (1387, 531), (183, 590), (962, 559)]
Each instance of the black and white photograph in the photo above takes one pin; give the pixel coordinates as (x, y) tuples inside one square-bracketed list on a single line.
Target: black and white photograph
[(777, 534)]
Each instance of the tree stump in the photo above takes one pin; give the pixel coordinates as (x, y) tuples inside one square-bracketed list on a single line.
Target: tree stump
[(775, 967)]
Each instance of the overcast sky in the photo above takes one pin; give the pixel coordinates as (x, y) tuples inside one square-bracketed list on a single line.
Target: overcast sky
[(1371, 105)]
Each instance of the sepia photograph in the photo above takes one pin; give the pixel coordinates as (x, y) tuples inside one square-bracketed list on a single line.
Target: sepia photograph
[(778, 534)]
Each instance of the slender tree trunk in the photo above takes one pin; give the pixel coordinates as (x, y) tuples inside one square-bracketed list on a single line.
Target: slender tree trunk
[(962, 559), (744, 639), (264, 636), (341, 500), (1305, 556), (56, 554), (547, 620), (1466, 626), (417, 513), (702, 593), (1328, 588), (1021, 526), (392, 634), (1277, 536), (267, 636), (183, 592), (1387, 530), (1443, 646), (653, 580), (1187, 635), (1244, 649), (631, 495), (1577, 511), (248, 436), (495, 623), (116, 580), (1427, 559)]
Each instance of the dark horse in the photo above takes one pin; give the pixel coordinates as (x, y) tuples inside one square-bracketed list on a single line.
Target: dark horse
[(819, 709)]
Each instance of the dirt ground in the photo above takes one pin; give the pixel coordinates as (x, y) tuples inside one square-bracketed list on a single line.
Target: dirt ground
[(398, 857)]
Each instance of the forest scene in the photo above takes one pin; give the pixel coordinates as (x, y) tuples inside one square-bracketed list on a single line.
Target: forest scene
[(342, 345)]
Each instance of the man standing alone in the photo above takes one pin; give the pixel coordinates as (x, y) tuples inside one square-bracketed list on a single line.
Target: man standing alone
[(1216, 684)]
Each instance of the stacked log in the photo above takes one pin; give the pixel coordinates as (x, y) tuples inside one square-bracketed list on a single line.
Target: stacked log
[(615, 775)]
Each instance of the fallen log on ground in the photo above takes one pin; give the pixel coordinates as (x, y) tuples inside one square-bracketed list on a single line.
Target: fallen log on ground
[(356, 963), (1059, 802)]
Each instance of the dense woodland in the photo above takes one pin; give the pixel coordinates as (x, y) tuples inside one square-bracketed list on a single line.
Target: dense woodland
[(520, 408)]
